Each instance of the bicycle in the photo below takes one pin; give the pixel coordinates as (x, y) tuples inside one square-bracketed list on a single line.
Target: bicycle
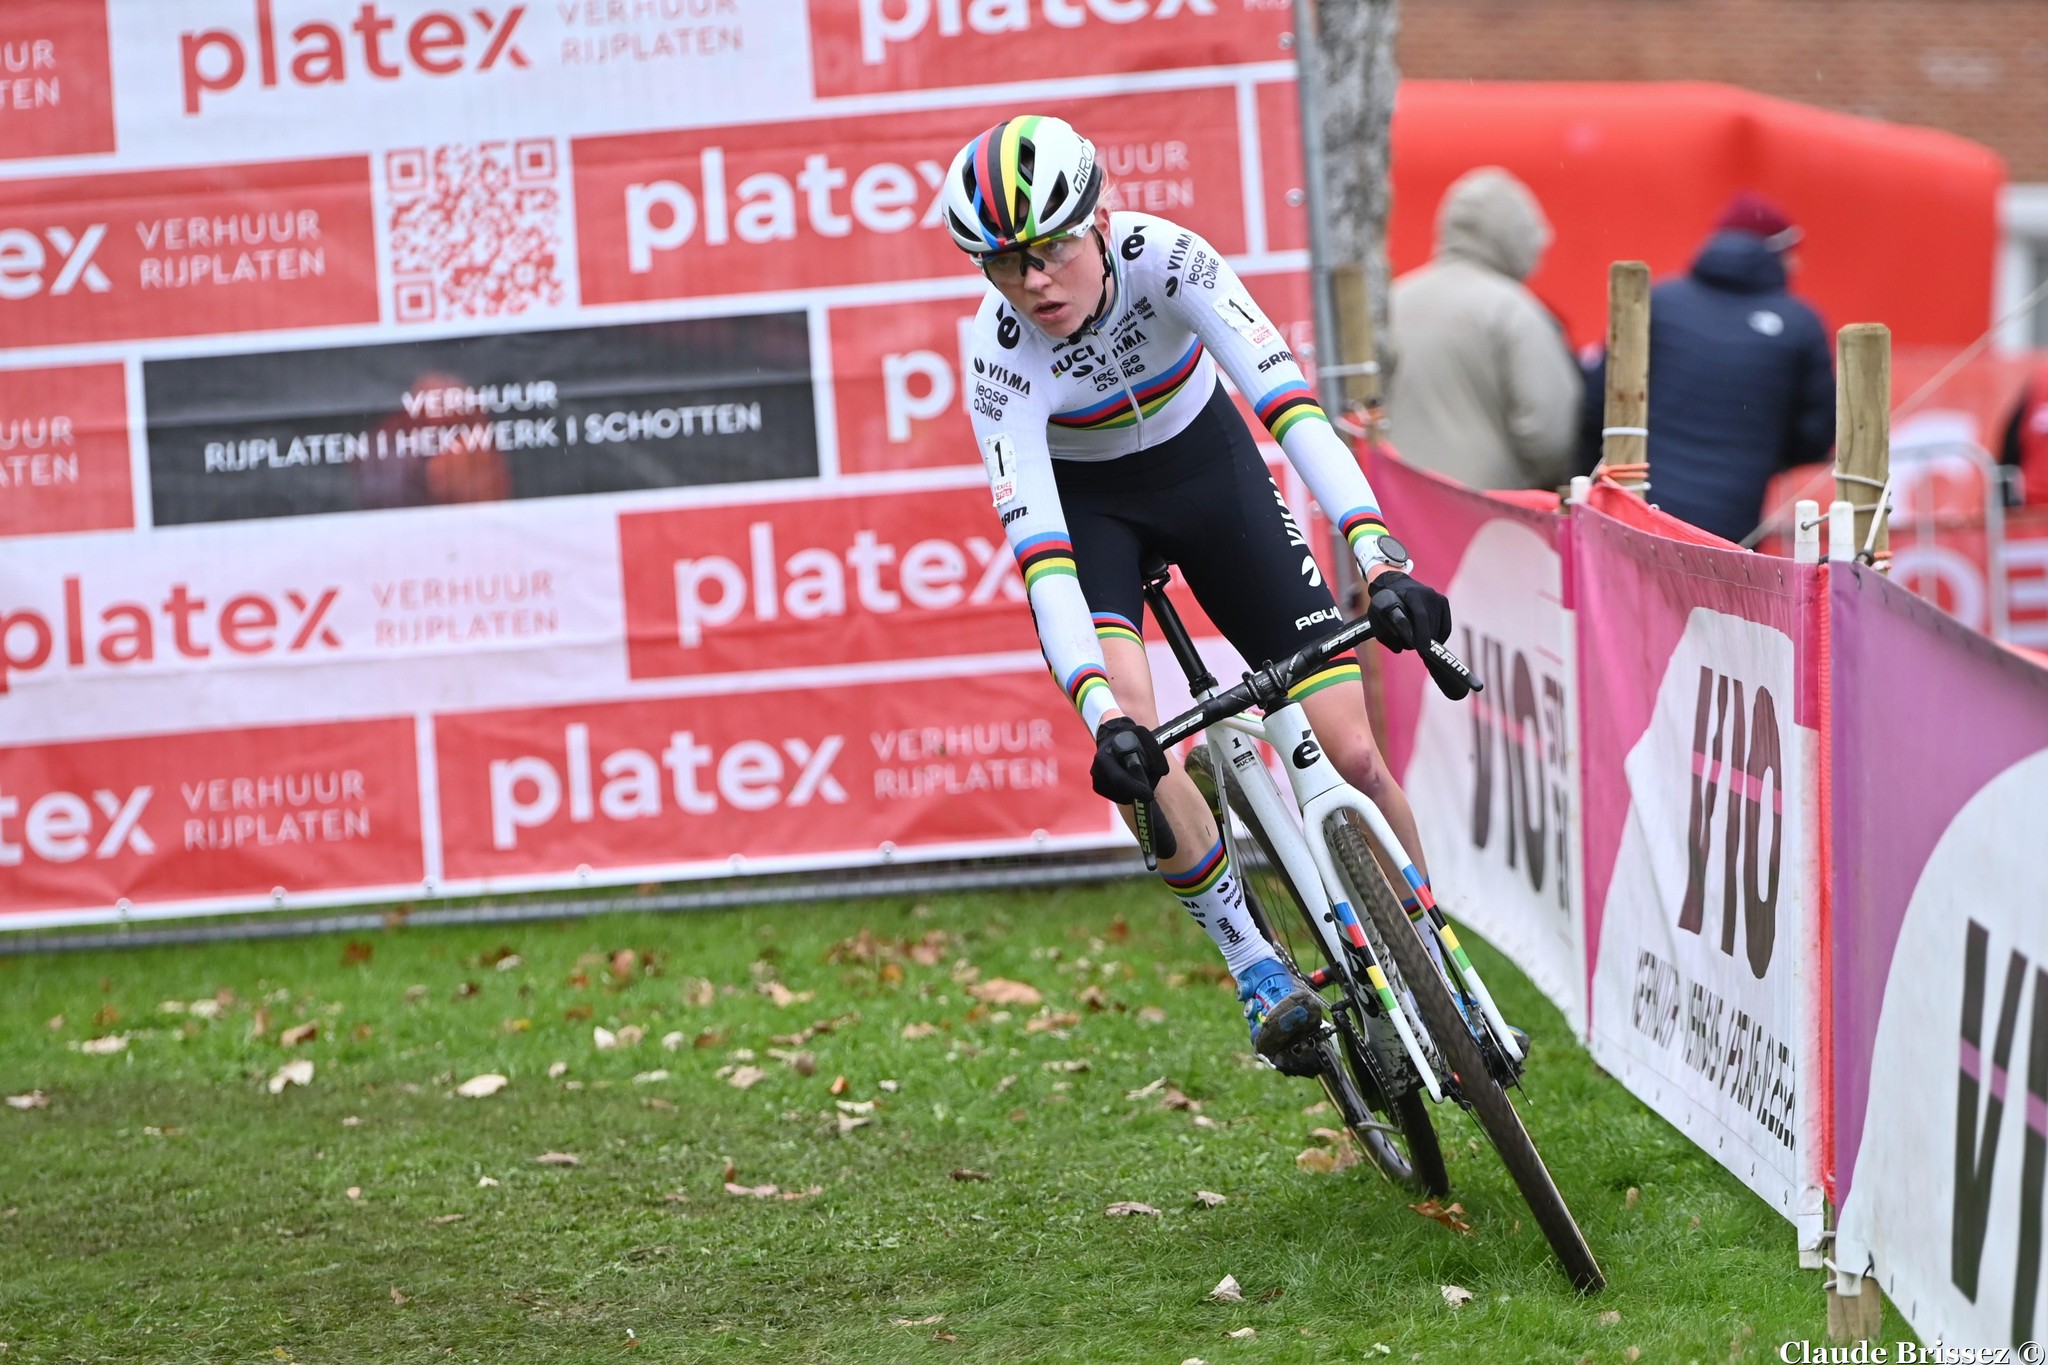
[(1396, 1030)]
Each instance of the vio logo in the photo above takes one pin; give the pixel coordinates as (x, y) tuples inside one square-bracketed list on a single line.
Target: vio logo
[(1977, 1142), (1520, 781), (1306, 753), (1746, 761)]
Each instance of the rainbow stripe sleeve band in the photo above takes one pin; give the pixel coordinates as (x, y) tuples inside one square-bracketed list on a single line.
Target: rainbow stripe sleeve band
[(1111, 626), (1045, 556), (1210, 869), (1288, 406), (1361, 523)]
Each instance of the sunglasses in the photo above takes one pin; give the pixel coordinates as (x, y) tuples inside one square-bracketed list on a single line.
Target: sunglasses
[(1010, 267)]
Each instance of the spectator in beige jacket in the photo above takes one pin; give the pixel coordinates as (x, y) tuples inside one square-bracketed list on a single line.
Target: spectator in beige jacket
[(1484, 387)]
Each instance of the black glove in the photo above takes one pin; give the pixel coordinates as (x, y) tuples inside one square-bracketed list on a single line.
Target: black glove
[(1121, 746), (1405, 614)]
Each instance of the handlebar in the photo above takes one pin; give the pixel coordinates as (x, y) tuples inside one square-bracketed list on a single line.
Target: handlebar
[(1267, 688)]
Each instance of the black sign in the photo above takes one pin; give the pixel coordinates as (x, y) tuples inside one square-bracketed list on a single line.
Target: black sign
[(481, 419)]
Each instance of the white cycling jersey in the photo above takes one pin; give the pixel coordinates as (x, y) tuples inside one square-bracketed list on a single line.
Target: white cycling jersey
[(1137, 378)]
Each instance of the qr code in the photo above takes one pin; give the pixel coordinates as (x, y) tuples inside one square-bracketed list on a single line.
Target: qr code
[(475, 231)]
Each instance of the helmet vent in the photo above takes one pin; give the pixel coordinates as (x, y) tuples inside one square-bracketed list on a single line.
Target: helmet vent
[(1055, 197)]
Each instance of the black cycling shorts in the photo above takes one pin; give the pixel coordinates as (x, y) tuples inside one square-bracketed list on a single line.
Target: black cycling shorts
[(1204, 501)]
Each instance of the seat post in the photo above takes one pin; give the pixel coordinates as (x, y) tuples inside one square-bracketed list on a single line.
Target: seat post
[(1157, 573)]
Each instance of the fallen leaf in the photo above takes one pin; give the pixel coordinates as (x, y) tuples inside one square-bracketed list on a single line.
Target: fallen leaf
[(1019, 1115), (1227, 1290), (673, 1042), (650, 1077), (804, 1193), (1194, 1360), (752, 1191), (999, 991), (397, 1297), (1174, 1099), (623, 962), (848, 1122), (744, 1077), (510, 1026), (699, 992), (1209, 1199), (415, 994), (576, 1012), (630, 1035), (1316, 1160), (105, 1047), (354, 1193), (1151, 1014), (296, 1072), (782, 995), (1632, 1198), (1329, 1136), (605, 1039), (484, 1182), (919, 1322), (856, 1106), (1072, 1064), (1046, 1023), (467, 990), (1448, 1215), (54, 1023), (357, 953), (1125, 1208), (889, 1086), (676, 1197), (557, 1069), (803, 1063), (1456, 1295), (919, 1030), (1147, 1090), (944, 1336), (298, 1033), (1004, 1084), (480, 1087), (34, 1099), (1610, 1317), (838, 1086), (962, 1173), (107, 1015), (205, 1009), (1204, 1121), (558, 1159), (352, 1121), (510, 961), (446, 1218), (1243, 1333), (667, 1106), (1319, 1107), (1632, 1354)]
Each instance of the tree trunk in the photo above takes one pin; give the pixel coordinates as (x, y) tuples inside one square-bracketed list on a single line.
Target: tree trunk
[(1356, 40)]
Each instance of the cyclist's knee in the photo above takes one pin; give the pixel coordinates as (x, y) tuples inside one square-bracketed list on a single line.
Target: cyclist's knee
[(1358, 758)]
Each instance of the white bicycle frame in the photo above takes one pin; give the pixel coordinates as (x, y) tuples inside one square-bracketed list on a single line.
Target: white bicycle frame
[(1320, 791)]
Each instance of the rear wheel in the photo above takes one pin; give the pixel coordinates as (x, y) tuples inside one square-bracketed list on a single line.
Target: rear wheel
[(1463, 1058), (1396, 1134)]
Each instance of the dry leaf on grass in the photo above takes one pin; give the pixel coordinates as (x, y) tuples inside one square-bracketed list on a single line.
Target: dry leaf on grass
[(753, 1191), (484, 1182), (1073, 1064), (447, 1218), (699, 992), (34, 1099), (652, 1077), (676, 1197), (1316, 1160), (399, 1298), (1146, 1091), (673, 1042), (482, 1087), (919, 1322), (605, 1039), (1630, 1199), (803, 1063), (1632, 1354), (847, 1123), (630, 1035), (1456, 1295), (1151, 1014), (1447, 1214), (1609, 1318), (889, 1086), (558, 1159), (782, 995), (298, 1072), (1243, 1333), (1127, 1207), (1047, 1022), (919, 1030), (838, 1086), (1209, 1199), (104, 1047), (963, 1173), (354, 1193), (744, 1077), (1204, 1121), (1227, 1290), (1174, 1099), (1000, 991), (557, 1069)]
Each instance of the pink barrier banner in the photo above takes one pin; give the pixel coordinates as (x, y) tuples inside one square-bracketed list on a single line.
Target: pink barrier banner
[(1939, 777), (1701, 844), (1490, 777)]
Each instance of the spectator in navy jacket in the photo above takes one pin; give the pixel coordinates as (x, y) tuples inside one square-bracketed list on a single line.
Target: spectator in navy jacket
[(1742, 381)]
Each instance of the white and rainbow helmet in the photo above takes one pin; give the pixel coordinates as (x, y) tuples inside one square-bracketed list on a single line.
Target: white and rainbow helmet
[(1023, 181)]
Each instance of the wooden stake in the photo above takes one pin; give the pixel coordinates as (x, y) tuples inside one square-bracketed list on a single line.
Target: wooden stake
[(1355, 341), (1863, 426), (1624, 447)]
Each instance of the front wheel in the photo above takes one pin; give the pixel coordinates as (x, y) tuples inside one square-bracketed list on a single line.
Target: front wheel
[(1460, 1051)]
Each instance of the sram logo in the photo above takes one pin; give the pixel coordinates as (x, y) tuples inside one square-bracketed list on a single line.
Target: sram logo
[(369, 43), (184, 624), (879, 28)]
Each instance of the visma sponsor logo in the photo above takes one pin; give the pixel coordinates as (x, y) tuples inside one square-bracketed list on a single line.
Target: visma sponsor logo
[(879, 28), (366, 44), (628, 783)]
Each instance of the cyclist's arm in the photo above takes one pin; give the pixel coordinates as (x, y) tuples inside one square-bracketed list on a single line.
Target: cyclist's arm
[(1213, 301), (1019, 468)]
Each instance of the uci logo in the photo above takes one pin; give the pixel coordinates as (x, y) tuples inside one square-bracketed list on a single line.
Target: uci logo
[(1307, 753)]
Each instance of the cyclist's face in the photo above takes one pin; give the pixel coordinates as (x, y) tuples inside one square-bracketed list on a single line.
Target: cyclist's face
[(1055, 284)]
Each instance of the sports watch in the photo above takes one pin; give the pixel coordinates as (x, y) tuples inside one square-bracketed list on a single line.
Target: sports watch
[(1391, 552)]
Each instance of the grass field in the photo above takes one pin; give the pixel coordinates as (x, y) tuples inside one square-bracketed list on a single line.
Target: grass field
[(165, 1206)]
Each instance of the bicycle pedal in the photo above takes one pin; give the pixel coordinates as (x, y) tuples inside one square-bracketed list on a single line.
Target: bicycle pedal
[(1303, 1059)]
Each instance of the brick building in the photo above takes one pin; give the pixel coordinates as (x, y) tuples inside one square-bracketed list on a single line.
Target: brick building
[(1974, 67)]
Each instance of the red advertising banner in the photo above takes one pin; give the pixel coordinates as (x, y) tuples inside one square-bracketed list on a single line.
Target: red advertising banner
[(56, 94), (185, 252), (825, 581), (898, 387), (877, 45), (925, 762), (803, 205), (208, 815), (64, 463)]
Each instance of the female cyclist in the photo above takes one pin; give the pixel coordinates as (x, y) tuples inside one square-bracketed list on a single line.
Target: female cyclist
[(1106, 433)]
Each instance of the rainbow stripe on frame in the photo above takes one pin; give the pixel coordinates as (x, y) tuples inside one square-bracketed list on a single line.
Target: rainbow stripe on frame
[(1152, 395), (1287, 407)]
